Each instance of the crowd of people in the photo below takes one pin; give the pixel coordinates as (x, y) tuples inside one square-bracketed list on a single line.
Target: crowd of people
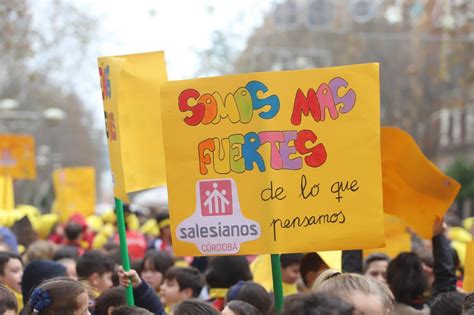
[(75, 268)]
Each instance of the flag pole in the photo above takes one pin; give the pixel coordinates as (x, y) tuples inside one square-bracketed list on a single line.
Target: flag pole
[(277, 282), (123, 248)]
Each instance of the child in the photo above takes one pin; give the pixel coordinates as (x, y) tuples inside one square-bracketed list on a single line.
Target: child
[(130, 310), (70, 265), (8, 303), (11, 272), (154, 266), (37, 272), (73, 232), (290, 272), (109, 300), (222, 273), (96, 269), (317, 303), (375, 266), (59, 296), (238, 307), (163, 242), (194, 307), (144, 295), (180, 284), (252, 293)]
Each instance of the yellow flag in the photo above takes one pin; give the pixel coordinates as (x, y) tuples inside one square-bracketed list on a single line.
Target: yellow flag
[(74, 188), (132, 109), (17, 156), (397, 239), (275, 162), (468, 284), (414, 189), (7, 196)]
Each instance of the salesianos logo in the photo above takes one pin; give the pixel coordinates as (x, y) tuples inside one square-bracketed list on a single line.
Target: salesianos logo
[(217, 225)]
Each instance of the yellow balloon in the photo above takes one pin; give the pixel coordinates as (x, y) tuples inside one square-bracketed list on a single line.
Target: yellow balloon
[(150, 228), (133, 223), (468, 223), (458, 233), (45, 224), (95, 222)]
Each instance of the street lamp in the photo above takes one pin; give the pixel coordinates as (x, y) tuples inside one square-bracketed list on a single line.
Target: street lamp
[(13, 119), (54, 114), (8, 104)]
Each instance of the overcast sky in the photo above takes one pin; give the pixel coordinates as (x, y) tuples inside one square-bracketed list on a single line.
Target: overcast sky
[(180, 28)]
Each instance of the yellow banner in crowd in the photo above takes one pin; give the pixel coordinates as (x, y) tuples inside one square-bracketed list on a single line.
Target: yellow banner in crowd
[(468, 284), (277, 162), (17, 156), (74, 189), (131, 94), (414, 189), (397, 239), (7, 196)]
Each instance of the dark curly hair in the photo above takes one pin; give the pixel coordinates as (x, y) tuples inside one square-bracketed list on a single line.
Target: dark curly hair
[(406, 278)]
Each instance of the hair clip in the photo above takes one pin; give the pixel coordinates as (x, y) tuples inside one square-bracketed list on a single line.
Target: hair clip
[(39, 300)]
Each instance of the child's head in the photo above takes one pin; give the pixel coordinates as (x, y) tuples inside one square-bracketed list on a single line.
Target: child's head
[(448, 303), (109, 300), (375, 266), (316, 303), (311, 265), (66, 251), (130, 310), (468, 306), (163, 222), (70, 265), (154, 266), (59, 296), (11, 270), (73, 231), (180, 284), (368, 296), (252, 293), (194, 307), (406, 278), (225, 271), (39, 250), (95, 267), (37, 272), (290, 267), (8, 304), (237, 307)]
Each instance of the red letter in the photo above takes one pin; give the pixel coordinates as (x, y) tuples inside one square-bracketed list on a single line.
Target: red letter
[(305, 105), (318, 152), (198, 110)]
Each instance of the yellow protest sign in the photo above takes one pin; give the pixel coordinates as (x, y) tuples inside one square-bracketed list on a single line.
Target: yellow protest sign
[(131, 95), (468, 284), (414, 189), (17, 156), (397, 239), (74, 189), (277, 162), (7, 196)]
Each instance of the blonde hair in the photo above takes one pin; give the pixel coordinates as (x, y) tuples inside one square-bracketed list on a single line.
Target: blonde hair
[(344, 285), (40, 250), (322, 277)]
